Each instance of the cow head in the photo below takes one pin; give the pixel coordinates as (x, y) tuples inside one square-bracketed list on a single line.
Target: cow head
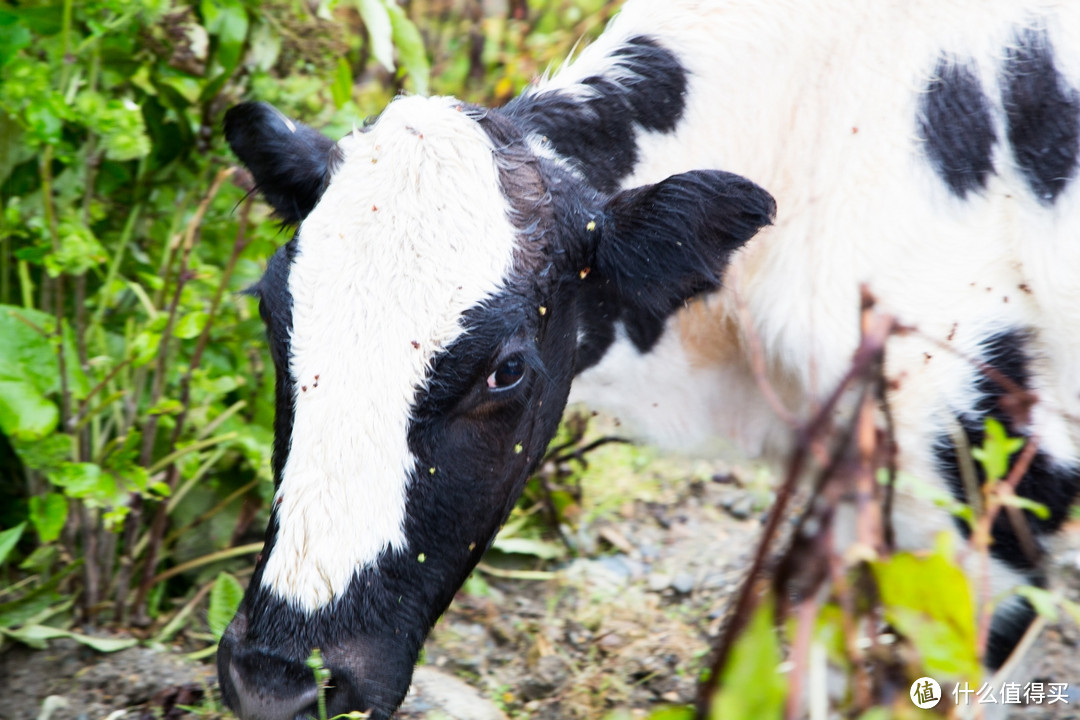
[(448, 278)]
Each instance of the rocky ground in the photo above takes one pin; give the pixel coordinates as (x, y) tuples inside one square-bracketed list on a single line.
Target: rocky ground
[(624, 626)]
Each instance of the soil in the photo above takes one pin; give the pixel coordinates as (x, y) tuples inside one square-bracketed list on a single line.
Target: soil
[(625, 625)]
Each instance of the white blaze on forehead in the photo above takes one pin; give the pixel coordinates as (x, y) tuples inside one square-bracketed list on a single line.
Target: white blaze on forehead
[(412, 230)]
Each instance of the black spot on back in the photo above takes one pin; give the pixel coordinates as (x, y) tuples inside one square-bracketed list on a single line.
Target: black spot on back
[(957, 126), (1046, 482), (645, 87), (1042, 113)]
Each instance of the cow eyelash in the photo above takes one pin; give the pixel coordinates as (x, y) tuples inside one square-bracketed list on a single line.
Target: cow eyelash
[(511, 368)]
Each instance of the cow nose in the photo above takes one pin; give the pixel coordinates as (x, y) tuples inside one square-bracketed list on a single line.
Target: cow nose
[(258, 685)]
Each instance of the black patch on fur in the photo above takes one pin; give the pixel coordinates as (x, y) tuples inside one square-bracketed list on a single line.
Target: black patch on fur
[(1046, 482), (663, 244), (1042, 113), (957, 126), (1011, 620), (275, 308), (645, 87), (291, 166)]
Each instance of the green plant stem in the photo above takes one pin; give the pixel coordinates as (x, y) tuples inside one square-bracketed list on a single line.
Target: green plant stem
[(181, 616), (183, 490), (157, 530), (221, 418), (213, 557), (26, 284), (118, 255), (239, 492), (187, 450)]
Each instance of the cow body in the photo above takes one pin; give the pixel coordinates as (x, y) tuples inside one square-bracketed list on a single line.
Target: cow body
[(455, 268), (927, 150)]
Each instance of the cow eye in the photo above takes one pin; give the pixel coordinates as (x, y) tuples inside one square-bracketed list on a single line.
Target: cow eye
[(508, 374)]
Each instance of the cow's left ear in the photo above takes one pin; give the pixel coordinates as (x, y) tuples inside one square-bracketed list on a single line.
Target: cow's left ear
[(662, 244), (291, 162)]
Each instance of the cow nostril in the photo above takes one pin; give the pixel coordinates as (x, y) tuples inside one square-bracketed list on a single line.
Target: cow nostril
[(258, 685)]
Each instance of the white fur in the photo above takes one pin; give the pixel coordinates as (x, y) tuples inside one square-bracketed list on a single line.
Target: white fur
[(817, 102), (386, 264)]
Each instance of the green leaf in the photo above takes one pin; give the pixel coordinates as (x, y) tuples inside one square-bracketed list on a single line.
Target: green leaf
[(48, 513), (524, 546), (376, 17), (145, 347), (191, 325), (1044, 601), (995, 451), (1035, 508), (166, 406), (228, 21), (928, 600), (28, 352), (24, 412), (753, 664), (13, 38), (341, 87), (225, 599), (80, 479), (36, 636), (410, 47), (8, 540), (46, 453)]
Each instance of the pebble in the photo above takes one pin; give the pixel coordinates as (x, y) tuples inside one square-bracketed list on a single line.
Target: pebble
[(740, 508), (433, 691), (683, 583), (658, 582)]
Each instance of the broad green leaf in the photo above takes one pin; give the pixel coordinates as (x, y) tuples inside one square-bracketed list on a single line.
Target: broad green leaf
[(750, 687), (48, 513), (410, 47), (87, 481), (28, 352), (8, 539), (13, 38), (341, 87), (928, 600), (376, 17), (144, 348), (44, 19), (228, 21), (191, 325), (44, 454), (24, 412), (80, 479), (225, 599)]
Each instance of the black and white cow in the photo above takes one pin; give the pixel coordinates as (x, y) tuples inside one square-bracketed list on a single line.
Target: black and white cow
[(456, 267)]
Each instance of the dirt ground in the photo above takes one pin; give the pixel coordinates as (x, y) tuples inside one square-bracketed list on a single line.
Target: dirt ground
[(625, 625)]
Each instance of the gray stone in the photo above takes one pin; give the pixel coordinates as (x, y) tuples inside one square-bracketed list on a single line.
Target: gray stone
[(683, 583)]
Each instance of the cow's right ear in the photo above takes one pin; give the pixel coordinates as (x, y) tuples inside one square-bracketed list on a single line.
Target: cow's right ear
[(290, 161), (665, 243)]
